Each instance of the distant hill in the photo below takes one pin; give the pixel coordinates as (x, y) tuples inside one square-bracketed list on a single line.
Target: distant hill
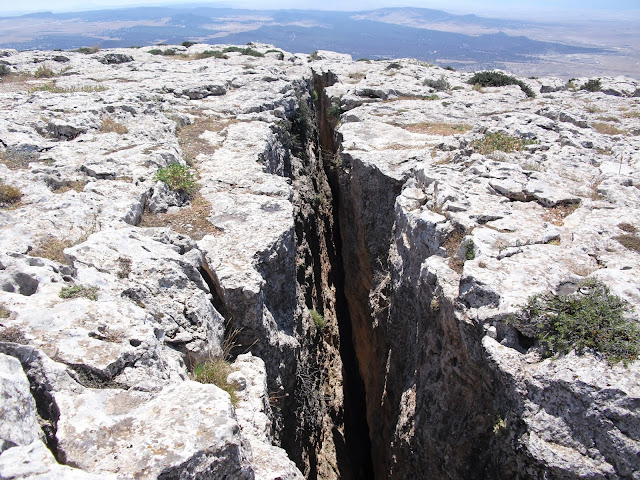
[(382, 33)]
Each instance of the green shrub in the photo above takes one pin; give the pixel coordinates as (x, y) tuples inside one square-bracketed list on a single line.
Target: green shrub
[(79, 291), (450, 68), (178, 177), (280, 53), (334, 111), (244, 51), (592, 318), (188, 44), (492, 142), (439, 85), (89, 50), (592, 85), (209, 54), (166, 52), (469, 251), (499, 79), (318, 319), (4, 69), (43, 72), (215, 371), (9, 195)]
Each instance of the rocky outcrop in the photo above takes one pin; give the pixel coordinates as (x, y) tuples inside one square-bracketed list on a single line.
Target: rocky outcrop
[(443, 243), (352, 253)]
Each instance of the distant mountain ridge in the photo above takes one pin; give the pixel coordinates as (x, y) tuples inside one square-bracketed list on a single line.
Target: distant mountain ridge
[(371, 34)]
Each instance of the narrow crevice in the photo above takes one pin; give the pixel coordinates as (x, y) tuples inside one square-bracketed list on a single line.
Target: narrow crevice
[(354, 458), (214, 289)]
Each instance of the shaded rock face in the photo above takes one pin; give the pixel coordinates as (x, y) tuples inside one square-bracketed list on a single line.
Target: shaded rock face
[(442, 243), (353, 249)]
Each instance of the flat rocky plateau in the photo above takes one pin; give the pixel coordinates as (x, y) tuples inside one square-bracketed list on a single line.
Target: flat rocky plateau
[(353, 255)]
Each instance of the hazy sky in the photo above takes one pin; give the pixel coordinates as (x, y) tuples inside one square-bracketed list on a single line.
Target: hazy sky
[(495, 7)]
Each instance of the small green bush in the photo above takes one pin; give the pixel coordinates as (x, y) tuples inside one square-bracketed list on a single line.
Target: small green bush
[(209, 54), (4, 69), (244, 51), (188, 44), (492, 142), (318, 319), (592, 85), (215, 371), (440, 84), (43, 72), (178, 177), (334, 111), (499, 79), (469, 251), (79, 291), (280, 53), (89, 50), (592, 318)]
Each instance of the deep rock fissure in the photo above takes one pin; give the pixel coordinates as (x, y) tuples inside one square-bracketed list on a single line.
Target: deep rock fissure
[(355, 460)]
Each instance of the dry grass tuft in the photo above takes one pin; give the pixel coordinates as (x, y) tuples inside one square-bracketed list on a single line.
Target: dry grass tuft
[(607, 129), (52, 249), (15, 158), (189, 137), (13, 334), (434, 128), (111, 126), (627, 227), (76, 185), (557, 214), (192, 220), (9, 195), (502, 142), (629, 241), (43, 72)]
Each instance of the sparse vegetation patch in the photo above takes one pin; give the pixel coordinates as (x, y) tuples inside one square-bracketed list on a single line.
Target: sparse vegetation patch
[(43, 72), (318, 319), (592, 318), (178, 177), (210, 54), (15, 158), (593, 85), (440, 84), (9, 195), (88, 50), (499, 79), (53, 88), (607, 129), (244, 51), (111, 126), (79, 291), (433, 128), (630, 241), (499, 141), (216, 371)]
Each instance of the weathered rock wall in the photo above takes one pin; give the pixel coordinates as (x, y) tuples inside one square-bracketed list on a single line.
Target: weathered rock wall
[(453, 390)]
